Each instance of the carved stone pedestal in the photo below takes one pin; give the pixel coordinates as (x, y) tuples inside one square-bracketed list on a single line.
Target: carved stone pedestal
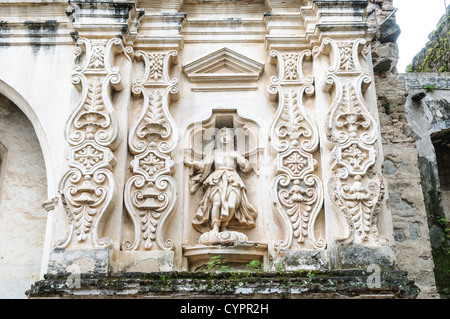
[(237, 254), (359, 257), (77, 261), (295, 260), (336, 257)]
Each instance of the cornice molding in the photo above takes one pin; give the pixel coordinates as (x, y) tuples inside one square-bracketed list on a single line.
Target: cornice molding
[(105, 19)]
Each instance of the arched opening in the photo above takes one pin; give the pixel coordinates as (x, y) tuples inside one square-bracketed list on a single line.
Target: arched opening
[(23, 189), (441, 142)]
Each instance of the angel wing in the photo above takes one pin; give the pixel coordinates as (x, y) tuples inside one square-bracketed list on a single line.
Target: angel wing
[(198, 154)]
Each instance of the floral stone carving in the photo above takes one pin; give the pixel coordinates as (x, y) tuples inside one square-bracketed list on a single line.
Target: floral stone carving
[(150, 193), (297, 191), (88, 188), (355, 187)]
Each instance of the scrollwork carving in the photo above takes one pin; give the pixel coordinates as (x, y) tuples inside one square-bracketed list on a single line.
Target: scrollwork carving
[(150, 193), (345, 55), (92, 131), (88, 198), (297, 192), (355, 188), (349, 117), (359, 199), (149, 202), (300, 200)]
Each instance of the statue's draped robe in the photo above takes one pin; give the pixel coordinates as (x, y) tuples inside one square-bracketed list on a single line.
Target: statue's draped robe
[(224, 180)]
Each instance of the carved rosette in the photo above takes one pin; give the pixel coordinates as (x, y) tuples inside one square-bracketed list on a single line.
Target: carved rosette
[(92, 131), (297, 191), (354, 186), (150, 192)]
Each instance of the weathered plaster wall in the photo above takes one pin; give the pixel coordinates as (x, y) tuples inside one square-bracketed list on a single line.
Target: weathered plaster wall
[(412, 244), (40, 77), (443, 161), (37, 78), (23, 188)]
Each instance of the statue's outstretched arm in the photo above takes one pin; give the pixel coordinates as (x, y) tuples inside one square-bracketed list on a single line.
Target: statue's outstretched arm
[(244, 164), (198, 165)]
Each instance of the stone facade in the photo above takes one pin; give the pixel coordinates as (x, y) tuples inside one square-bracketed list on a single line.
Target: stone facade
[(181, 136)]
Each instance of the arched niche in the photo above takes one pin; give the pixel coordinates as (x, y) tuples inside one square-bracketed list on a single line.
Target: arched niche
[(27, 109), (222, 159), (23, 189)]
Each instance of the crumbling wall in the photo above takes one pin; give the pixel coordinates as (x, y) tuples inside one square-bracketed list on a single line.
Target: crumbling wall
[(428, 113), (412, 245)]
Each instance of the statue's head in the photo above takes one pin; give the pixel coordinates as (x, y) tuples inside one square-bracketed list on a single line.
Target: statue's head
[(225, 137)]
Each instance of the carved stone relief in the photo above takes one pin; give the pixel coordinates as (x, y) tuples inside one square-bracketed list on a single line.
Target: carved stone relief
[(213, 193), (355, 187), (297, 189), (88, 188), (214, 156), (150, 192), (222, 157)]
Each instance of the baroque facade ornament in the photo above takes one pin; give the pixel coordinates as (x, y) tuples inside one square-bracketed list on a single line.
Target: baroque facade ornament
[(355, 187), (150, 193), (153, 203), (297, 190), (92, 131)]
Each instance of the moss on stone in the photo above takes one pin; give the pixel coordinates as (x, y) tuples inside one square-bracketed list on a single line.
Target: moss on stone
[(433, 57), (322, 284)]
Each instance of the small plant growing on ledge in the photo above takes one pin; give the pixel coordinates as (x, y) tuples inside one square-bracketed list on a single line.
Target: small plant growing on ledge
[(279, 267), (214, 262), (255, 265), (429, 88)]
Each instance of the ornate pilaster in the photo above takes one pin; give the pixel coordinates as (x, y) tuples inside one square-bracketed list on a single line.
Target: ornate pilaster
[(91, 188), (297, 190), (355, 186), (349, 133), (150, 193), (92, 132)]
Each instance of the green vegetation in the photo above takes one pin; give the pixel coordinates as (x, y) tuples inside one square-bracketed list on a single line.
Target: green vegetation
[(214, 262), (255, 265), (430, 88), (435, 56)]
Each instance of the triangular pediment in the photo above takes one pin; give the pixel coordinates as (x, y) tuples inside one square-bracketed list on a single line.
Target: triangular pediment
[(223, 65)]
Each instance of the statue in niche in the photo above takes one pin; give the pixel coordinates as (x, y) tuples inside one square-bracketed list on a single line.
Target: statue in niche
[(225, 199)]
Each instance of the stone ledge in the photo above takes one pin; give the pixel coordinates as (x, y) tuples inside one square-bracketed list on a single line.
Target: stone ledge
[(417, 81), (336, 284)]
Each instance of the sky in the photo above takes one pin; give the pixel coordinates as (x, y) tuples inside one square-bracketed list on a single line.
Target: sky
[(416, 18)]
